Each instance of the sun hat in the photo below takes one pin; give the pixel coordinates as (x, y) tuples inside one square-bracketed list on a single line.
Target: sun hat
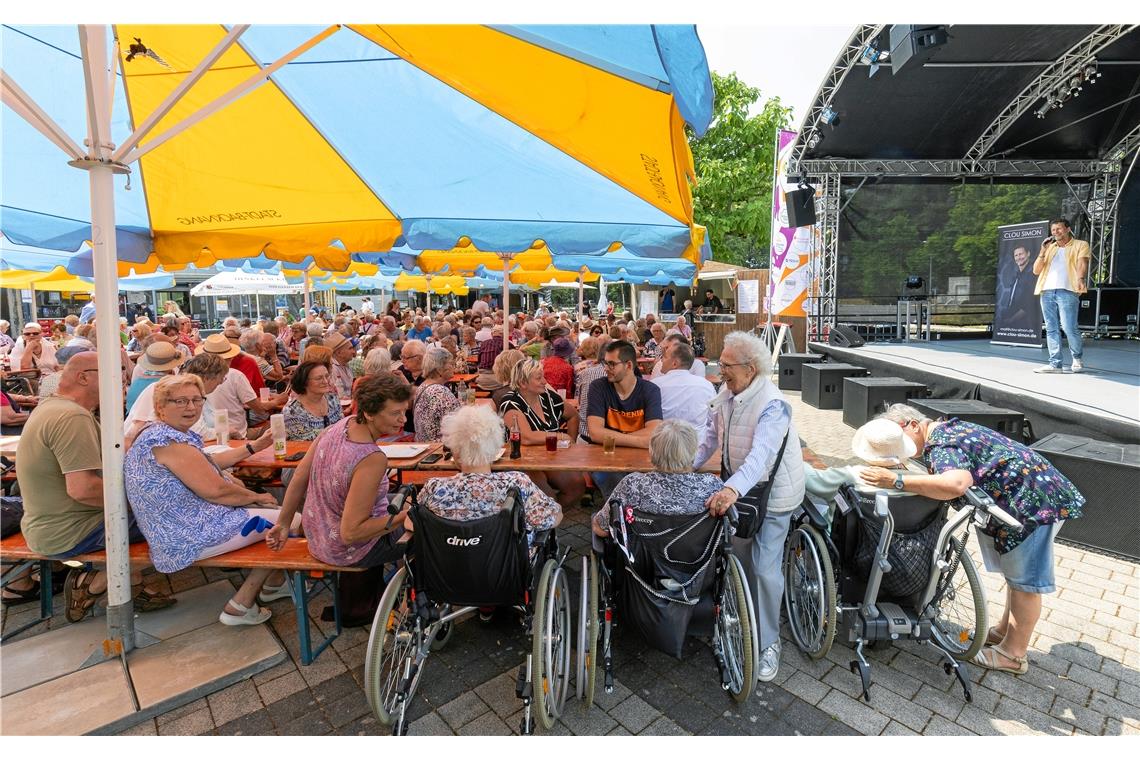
[(334, 340), (561, 347), (218, 345), (881, 442), (161, 356)]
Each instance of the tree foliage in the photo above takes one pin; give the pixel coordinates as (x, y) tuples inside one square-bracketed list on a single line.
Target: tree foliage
[(734, 163)]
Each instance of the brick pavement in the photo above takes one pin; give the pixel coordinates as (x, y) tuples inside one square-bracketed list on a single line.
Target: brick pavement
[(1084, 677)]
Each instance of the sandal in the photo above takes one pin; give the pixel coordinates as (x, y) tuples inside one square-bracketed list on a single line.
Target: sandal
[(993, 637), (21, 596), (988, 659), (249, 615), (145, 601), (77, 595)]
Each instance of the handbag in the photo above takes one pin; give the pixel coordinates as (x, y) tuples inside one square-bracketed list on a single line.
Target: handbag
[(752, 507)]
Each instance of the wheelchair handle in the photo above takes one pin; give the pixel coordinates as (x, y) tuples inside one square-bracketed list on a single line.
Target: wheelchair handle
[(406, 493), (979, 499), (733, 516)]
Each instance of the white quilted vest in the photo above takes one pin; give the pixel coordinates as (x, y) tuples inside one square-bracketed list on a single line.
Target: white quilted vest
[(738, 417)]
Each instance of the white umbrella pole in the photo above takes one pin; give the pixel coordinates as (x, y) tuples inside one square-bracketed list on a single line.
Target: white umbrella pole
[(308, 294), (120, 610), (506, 257), (33, 302), (581, 291), (257, 296)]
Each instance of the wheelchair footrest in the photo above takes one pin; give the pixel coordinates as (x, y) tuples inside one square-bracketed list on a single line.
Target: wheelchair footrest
[(523, 687)]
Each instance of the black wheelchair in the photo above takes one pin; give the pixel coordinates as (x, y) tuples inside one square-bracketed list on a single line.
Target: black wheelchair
[(451, 569), (668, 577), (889, 567)]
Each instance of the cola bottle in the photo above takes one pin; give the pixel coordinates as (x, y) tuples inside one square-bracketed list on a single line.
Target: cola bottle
[(516, 441)]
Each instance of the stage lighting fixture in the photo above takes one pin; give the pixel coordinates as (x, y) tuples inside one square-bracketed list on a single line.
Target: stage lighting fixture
[(814, 140), (915, 282), (829, 117)]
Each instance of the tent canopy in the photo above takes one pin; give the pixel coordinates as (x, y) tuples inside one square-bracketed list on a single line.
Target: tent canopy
[(244, 283)]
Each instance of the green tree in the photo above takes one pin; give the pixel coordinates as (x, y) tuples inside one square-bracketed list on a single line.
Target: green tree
[(734, 162)]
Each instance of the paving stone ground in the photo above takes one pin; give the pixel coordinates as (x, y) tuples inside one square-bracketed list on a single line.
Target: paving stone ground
[(1084, 676)]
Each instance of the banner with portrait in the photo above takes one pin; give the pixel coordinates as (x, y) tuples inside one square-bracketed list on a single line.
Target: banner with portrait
[(790, 277), (1017, 311)]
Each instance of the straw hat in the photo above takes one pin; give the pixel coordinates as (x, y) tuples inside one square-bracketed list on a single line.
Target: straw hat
[(161, 356), (881, 442), (218, 345), (334, 340)]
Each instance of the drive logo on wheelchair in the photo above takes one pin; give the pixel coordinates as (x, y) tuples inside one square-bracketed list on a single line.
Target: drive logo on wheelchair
[(457, 541)]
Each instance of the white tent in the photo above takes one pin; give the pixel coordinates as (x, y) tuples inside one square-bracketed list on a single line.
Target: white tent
[(245, 283)]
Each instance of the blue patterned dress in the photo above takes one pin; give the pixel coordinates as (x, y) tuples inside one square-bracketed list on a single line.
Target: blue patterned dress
[(178, 524), (1018, 479)]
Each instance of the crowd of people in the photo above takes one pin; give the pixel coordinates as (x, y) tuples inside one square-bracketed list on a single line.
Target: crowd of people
[(351, 380)]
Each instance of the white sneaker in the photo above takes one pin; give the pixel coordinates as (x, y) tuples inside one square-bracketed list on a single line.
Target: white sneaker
[(1078, 365), (1048, 369), (769, 663), (250, 616)]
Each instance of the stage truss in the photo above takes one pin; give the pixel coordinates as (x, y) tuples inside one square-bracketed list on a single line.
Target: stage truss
[(1106, 176)]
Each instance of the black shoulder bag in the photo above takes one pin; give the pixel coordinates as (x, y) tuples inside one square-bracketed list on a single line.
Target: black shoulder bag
[(753, 506)]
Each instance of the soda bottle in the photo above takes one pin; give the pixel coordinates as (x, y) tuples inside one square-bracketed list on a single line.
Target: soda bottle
[(516, 440)]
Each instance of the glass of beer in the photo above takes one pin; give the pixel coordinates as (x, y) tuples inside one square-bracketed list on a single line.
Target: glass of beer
[(609, 444), (552, 441)]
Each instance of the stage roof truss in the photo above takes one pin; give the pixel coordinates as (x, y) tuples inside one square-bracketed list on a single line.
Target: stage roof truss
[(1054, 77), (955, 168)]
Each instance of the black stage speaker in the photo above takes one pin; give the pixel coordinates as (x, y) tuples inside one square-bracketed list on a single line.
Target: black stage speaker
[(1107, 475), (801, 207), (844, 337)]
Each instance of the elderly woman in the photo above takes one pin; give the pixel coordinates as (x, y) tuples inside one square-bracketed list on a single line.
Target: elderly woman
[(682, 326), (538, 411), (59, 335), (293, 336), (965, 454), (314, 335), (6, 341), (673, 488), (138, 332), (434, 400), (653, 345), (345, 496), (314, 406), (186, 506), (755, 423), (498, 380), (474, 434), (33, 352)]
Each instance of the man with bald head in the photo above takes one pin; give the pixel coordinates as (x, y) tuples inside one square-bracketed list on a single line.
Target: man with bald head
[(59, 465)]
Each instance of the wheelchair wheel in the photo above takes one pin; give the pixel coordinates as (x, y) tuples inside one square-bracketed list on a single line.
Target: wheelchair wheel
[(809, 592), (390, 644), (734, 633), (551, 635), (959, 624), (588, 670), (443, 635)]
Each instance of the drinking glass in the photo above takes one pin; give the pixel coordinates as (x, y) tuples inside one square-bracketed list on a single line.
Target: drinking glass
[(552, 442), (609, 444)]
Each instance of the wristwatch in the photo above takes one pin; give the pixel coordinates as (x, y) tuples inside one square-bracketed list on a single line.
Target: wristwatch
[(249, 448), (898, 482)]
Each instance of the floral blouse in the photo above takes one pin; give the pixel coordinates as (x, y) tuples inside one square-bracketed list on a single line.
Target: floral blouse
[(1018, 479), (433, 403), (303, 425), (661, 493), (470, 496)]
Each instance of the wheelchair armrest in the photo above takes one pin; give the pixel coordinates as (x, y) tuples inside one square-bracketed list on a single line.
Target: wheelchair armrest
[(406, 495), (514, 505), (816, 510)]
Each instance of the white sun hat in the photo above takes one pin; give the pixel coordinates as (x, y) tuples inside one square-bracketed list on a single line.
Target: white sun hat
[(881, 442)]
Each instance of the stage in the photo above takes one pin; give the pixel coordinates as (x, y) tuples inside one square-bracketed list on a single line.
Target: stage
[(1103, 402)]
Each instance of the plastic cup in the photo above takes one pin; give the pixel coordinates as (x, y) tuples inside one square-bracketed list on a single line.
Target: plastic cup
[(563, 440), (552, 442), (609, 444), (264, 394)]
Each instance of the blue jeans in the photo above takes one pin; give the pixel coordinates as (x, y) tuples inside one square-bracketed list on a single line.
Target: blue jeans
[(1059, 307)]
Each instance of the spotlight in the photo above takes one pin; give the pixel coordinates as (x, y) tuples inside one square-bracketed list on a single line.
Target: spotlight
[(814, 140), (915, 282), (829, 117)]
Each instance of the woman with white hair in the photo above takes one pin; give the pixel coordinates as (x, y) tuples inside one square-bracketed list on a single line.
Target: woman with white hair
[(673, 488), (434, 399), (474, 434), (762, 462)]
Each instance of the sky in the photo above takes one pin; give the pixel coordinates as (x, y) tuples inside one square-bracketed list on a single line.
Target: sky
[(785, 61)]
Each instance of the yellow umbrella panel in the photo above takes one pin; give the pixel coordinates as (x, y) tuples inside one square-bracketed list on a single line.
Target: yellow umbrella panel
[(57, 279), (440, 284)]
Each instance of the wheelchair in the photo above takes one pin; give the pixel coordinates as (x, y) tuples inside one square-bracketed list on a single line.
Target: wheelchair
[(668, 577), (452, 568), (892, 566)]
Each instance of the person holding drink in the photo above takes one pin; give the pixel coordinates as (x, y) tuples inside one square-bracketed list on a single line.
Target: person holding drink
[(539, 413)]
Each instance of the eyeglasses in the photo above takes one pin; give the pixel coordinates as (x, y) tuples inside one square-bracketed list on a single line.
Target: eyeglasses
[(723, 365), (182, 403), (32, 334), (613, 365)]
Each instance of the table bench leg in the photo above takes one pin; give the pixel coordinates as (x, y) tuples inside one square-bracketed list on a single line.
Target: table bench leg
[(301, 602), (45, 593)]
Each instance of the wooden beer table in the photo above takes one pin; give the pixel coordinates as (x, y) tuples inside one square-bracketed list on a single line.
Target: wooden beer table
[(265, 458), (579, 457)]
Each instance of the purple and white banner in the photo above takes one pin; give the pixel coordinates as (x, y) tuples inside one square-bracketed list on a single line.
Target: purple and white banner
[(790, 279)]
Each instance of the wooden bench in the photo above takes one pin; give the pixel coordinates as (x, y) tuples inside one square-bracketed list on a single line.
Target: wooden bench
[(294, 559)]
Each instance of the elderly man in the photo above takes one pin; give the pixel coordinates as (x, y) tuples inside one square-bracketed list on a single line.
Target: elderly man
[(275, 329), (6, 342), (684, 396), (389, 329), (59, 464), (698, 367), (752, 424), (421, 330), (235, 395), (50, 384), (87, 313), (341, 375), (243, 361), (484, 332)]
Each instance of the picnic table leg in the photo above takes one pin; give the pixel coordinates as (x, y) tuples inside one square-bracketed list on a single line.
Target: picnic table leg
[(45, 593), (301, 601)]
